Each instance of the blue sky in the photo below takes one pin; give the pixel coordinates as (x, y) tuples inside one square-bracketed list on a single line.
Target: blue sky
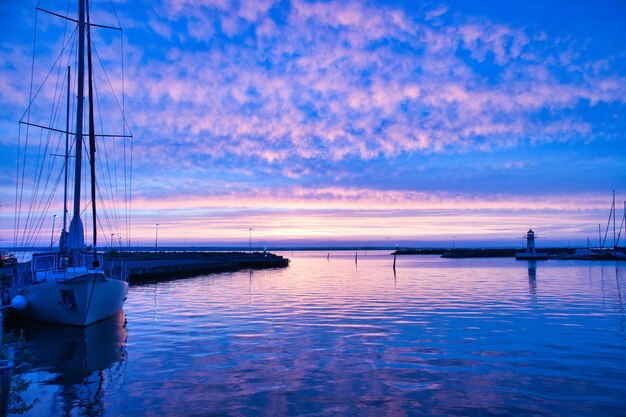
[(378, 121)]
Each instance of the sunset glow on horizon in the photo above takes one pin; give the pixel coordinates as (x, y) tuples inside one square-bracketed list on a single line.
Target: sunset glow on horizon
[(326, 122)]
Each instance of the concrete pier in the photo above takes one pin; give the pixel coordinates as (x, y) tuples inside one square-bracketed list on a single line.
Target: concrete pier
[(142, 266)]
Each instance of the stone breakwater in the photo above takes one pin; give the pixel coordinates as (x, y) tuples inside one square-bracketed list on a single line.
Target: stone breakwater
[(141, 266)]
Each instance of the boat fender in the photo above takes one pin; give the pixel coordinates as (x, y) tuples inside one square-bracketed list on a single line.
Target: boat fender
[(19, 302)]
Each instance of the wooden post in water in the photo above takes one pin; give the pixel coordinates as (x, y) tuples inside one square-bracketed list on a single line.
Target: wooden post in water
[(355, 257), (328, 256), (394, 261)]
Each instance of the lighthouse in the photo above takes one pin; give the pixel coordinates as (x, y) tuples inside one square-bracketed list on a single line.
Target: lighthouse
[(531, 253), (530, 241)]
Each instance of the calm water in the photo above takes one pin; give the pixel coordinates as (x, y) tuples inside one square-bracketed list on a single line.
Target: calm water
[(331, 338)]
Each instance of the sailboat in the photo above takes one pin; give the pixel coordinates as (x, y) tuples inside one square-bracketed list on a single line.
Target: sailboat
[(70, 285)]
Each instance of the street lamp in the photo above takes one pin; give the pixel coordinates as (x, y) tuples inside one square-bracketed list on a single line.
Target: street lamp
[(156, 238), (54, 217), (112, 234), (250, 239)]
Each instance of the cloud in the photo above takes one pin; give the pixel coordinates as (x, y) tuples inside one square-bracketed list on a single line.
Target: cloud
[(437, 12), (326, 215), (332, 84), (362, 198)]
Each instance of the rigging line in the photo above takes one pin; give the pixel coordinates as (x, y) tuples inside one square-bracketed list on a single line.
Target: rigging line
[(47, 128), (71, 133), (35, 205), (130, 188), (106, 214), (37, 199), (126, 192), (17, 187), (115, 13), (35, 190), (76, 21), (608, 223), (32, 98), (621, 225), (43, 194), (18, 204), (107, 195), (65, 28), (105, 210), (112, 89), (54, 111), (124, 121), (109, 192), (38, 227), (83, 181), (106, 163), (54, 116), (106, 239), (38, 222), (92, 139)]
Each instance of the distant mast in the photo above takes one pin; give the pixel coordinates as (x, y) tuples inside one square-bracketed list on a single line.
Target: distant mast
[(614, 209), (76, 237)]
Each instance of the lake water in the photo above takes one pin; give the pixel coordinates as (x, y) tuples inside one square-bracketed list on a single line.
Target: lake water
[(472, 337)]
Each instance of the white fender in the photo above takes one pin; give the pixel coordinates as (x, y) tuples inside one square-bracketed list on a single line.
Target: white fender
[(19, 302)]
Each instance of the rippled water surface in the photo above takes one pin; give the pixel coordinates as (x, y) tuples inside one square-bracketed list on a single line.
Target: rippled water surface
[(335, 338)]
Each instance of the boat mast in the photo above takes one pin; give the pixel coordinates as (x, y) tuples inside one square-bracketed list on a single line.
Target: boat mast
[(63, 240), (614, 242), (92, 143), (76, 236), (621, 224)]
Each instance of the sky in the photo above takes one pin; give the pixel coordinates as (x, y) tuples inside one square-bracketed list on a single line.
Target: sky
[(411, 123)]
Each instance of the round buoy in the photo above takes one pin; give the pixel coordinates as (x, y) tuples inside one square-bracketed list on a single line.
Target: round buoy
[(19, 302)]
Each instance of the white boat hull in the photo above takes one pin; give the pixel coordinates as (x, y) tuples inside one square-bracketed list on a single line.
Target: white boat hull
[(80, 301)]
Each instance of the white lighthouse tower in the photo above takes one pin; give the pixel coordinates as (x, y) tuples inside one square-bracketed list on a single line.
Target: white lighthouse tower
[(531, 253), (530, 241)]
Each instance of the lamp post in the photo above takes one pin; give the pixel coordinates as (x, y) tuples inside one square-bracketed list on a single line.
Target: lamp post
[(112, 234), (250, 239), (453, 238), (156, 238), (54, 217)]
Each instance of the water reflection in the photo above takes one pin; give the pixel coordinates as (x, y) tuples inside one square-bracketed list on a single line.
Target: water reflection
[(620, 303), (532, 279), (449, 337), (613, 296), (76, 361)]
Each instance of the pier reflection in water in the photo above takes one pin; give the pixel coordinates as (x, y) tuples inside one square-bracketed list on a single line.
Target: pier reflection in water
[(326, 338)]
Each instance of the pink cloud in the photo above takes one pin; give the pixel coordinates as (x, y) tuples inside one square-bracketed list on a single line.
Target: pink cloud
[(333, 213)]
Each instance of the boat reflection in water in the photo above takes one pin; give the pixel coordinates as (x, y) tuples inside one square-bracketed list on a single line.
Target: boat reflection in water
[(78, 362)]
